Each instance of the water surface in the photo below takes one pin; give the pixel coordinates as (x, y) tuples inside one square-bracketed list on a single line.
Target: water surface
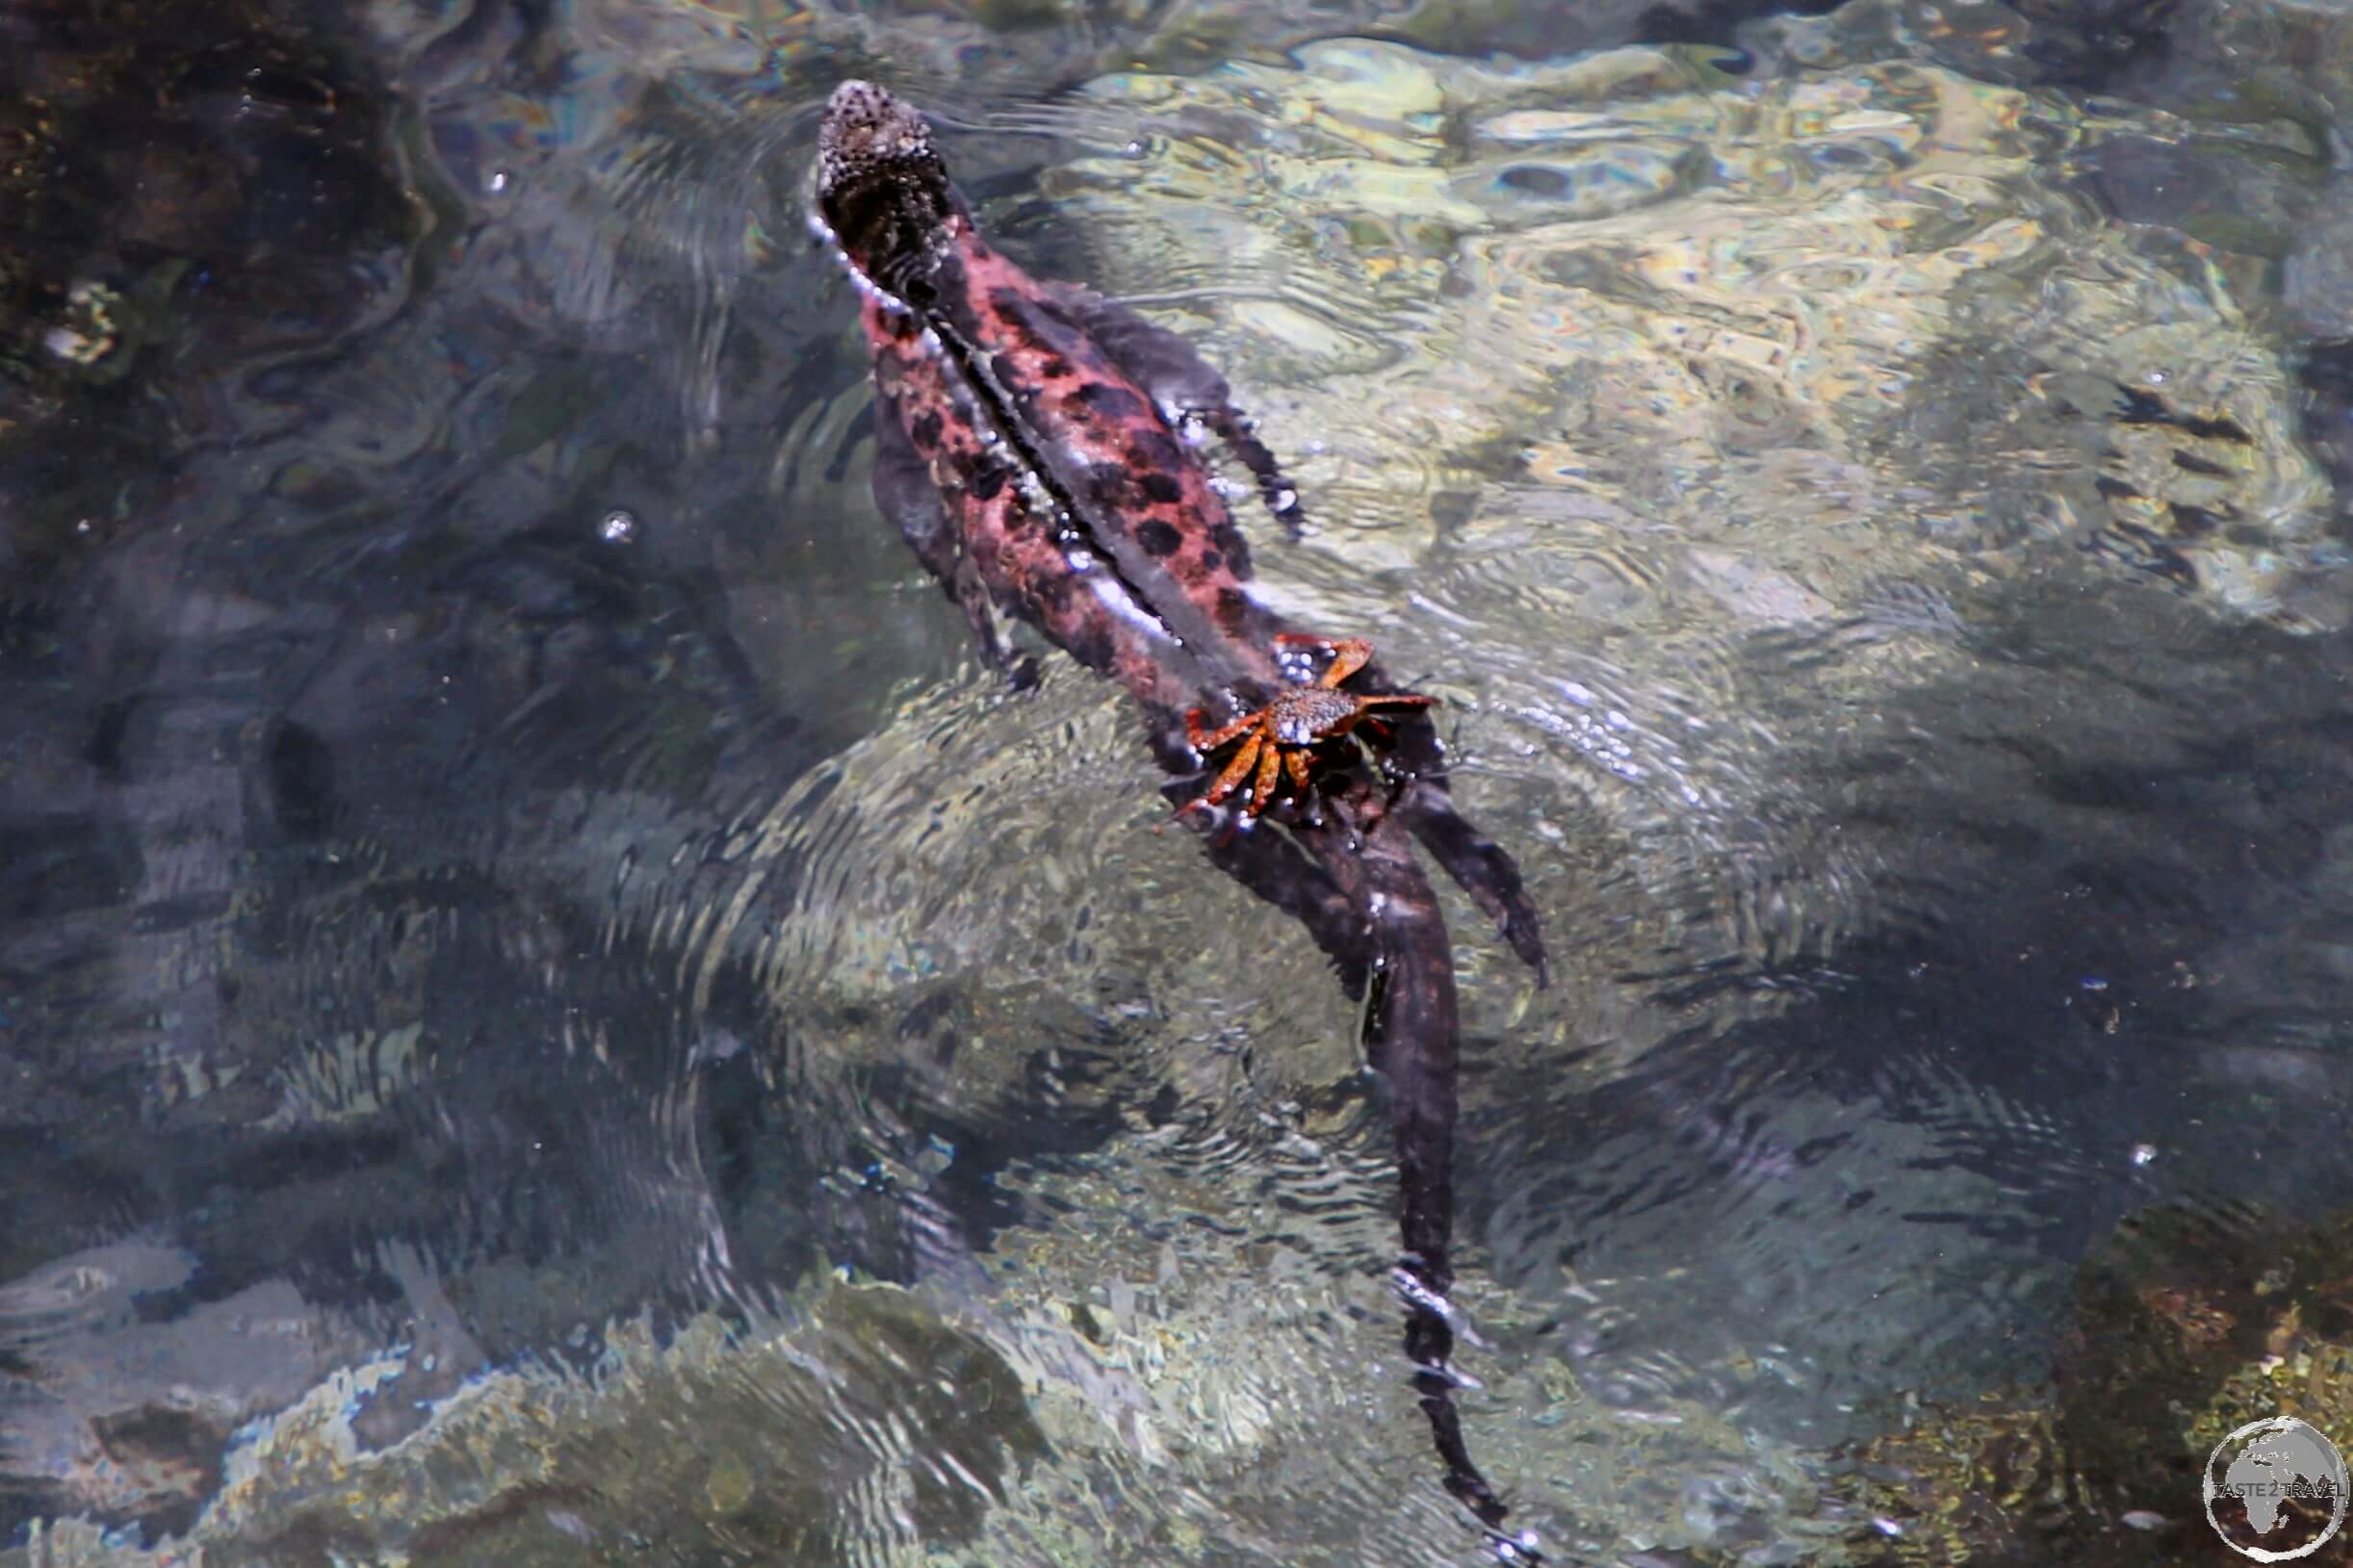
[(554, 1011)]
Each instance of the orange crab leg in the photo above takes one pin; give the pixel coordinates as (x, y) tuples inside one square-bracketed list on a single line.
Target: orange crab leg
[(1296, 762), (1270, 762), (1207, 741), (1367, 704), (1235, 771), (1348, 656)]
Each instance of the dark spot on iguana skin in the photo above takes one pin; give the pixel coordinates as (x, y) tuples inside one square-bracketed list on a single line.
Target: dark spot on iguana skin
[(987, 483), (1111, 402), (1148, 451), (1161, 489), (1160, 539), (1056, 369), (1012, 307), (1227, 540), (1113, 485), (924, 431), (1232, 610)]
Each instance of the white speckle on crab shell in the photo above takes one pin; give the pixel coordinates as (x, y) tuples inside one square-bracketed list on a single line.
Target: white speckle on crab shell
[(1296, 732)]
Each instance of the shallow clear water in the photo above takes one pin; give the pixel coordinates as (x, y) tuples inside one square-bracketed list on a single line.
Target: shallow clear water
[(552, 1009)]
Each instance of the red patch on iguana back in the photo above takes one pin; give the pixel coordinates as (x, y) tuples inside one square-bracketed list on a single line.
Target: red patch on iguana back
[(1021, 550), (1147, 484)]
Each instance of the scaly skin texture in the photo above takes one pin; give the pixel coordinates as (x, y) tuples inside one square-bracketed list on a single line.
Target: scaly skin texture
[(1036, 447)]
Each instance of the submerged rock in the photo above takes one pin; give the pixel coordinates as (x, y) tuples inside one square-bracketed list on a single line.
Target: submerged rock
[(1855, 322), (904, 1429), (2184, 1326)]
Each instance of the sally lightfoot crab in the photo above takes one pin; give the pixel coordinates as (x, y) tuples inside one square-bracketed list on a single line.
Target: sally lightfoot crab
[(1278, 737)]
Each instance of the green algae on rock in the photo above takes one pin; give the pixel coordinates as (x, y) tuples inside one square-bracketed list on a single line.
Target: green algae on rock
[(907, 1433), (2186, 1325)]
